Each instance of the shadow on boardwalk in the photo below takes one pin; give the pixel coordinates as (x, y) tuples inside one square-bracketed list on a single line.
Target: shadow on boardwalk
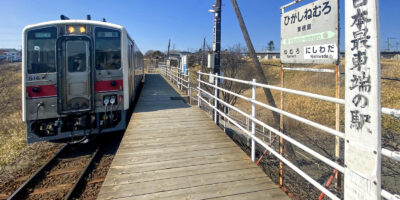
[(157, 94)]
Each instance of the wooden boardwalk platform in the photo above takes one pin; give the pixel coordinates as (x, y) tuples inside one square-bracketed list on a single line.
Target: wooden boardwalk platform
[(174, 151)]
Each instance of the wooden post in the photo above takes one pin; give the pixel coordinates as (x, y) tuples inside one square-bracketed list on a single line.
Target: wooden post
[(362, 177)]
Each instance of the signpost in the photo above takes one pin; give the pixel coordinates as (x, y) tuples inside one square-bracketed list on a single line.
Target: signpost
[(310, 34), (363, 101), (184, 64)]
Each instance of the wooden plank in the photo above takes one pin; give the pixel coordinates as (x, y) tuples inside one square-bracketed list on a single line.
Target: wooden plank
[(184, 162), (163, 134), (121, 177), (129, 159), (194, 190), (173, 140), (267, 193), (183, 151), (196, 145), (135, 189), (173, 151)]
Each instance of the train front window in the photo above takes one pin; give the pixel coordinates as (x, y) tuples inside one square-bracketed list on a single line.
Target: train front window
[(76, 56), (41, 54), (107, 49)]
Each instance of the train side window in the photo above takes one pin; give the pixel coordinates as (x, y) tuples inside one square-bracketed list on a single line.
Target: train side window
[(107, 49), (41, 50)]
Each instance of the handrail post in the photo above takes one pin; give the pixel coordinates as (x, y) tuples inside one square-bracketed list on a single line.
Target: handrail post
[(198, 89), (180, 79), (177, 78), (188, 87), (216, 98), (253, 124), (281, 128)]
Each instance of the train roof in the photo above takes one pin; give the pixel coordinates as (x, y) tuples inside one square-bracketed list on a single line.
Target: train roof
[(73, 21)]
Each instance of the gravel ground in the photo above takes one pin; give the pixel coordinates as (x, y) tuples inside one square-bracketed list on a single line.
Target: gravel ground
[(60, 178), (19, 170)]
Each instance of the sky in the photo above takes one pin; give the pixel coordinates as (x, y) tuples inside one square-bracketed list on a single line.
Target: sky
[(151, 23)]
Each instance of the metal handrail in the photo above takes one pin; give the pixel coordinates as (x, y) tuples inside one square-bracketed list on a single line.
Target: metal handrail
[(394, 155), (301, 93), (182, 80), (388, 111), (388, 153), (287, 138), (296, 117), (283, 159)]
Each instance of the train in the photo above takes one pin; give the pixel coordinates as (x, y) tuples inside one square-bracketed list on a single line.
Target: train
[(79, 78)]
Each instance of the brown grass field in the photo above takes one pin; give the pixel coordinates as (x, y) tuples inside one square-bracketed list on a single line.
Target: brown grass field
[(12, 129)]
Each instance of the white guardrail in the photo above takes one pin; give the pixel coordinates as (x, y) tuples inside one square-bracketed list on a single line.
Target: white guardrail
[(182, 81), (254, 121), (151, 69)]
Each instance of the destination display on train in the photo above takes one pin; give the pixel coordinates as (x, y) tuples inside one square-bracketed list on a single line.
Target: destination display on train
[(309, 34)]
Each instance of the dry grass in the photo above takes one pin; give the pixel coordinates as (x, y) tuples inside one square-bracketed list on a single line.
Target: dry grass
[(12, 129)]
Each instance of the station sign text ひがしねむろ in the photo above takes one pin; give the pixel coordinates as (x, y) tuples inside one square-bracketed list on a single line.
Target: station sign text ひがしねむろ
[(309, 34)]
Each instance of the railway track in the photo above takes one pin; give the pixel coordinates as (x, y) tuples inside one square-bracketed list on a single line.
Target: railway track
[(62, 175)]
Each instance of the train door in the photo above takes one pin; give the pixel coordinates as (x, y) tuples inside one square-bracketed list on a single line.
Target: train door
[(74, 75)]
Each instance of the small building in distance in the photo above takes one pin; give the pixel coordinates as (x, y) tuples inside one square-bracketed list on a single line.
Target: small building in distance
[(268, 55), (393, 55), (10, 55)]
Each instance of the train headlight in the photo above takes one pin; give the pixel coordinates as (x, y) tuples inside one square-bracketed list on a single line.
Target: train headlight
[(112, 100), (82, 29), (106, 101), (71, 29)]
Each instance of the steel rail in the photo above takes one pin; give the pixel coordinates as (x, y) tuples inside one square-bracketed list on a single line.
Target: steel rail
[(71, 192), (283, 159), (36, 174)]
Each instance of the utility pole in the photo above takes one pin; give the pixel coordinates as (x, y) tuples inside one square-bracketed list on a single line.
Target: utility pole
[(256, 62), (169, 45), (217, 45), (389, 44), (250, 48), (203, 53)]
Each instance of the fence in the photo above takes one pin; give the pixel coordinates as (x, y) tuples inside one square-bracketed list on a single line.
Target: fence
[(181, 80), (251, 132), (150, 69), (250, 122)]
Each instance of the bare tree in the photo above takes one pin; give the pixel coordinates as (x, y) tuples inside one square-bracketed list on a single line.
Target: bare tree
[(271, 46), (233, 64)]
